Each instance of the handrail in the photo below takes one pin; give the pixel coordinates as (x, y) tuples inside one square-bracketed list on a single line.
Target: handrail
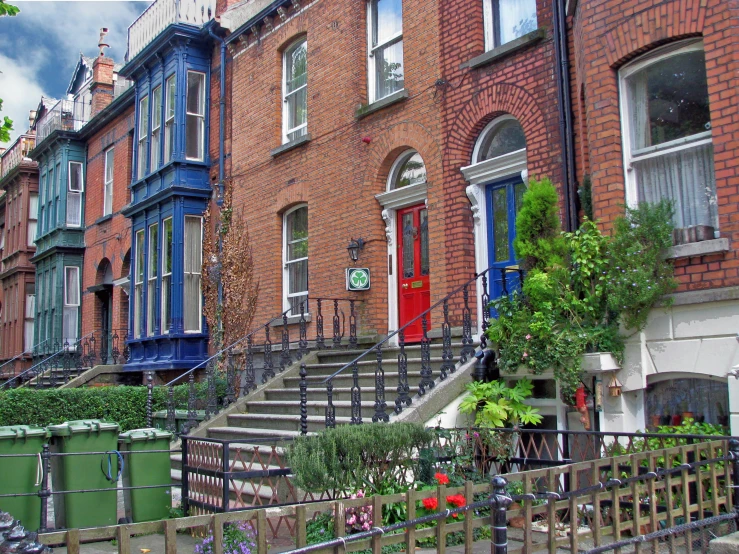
[(400, 329), (18, 356)]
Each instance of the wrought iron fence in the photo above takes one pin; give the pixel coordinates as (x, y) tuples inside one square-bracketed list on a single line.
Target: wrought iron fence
[(259, 356)]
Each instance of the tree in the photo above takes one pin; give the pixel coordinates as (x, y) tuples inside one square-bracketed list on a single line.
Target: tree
[(7, 124)]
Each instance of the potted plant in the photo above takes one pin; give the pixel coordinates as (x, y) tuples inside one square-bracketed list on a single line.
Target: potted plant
[(686, 412)]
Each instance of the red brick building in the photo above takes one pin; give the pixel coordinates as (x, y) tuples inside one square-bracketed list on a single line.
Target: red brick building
[(109, 139), (19, 181), (655, 90)]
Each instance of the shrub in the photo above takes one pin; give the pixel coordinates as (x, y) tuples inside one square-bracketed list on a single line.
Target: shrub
[(352, 457)]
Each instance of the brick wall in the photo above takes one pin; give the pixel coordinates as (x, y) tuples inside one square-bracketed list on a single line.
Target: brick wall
[(606, 36), (110, 238)]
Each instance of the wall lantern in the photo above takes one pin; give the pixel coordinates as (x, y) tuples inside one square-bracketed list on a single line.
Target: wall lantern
[(355, 246), (614, 386)]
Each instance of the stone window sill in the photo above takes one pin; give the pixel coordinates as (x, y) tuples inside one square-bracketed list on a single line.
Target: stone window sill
[(290, 145), (291, 320), (103, 219), (702, 248), (366, 109), (505, 49)]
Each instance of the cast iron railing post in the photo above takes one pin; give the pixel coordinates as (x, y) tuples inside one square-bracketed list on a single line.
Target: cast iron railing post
[(468, 349), (226, 481), (500, 502), (114, 348), (149, 397), (192, 414), (171, 425), (250, 379), (285, 359), (303, 400), (352, 325), (185, 478), (211, 404), (330, 410), (356, 396), (269, 370), (380, 404), (303, 340), (230, 377), (337, 325), (404, 397), (447, 357), (427, 381), (44, 492), (734, 452), (485, 316), (320, 340)]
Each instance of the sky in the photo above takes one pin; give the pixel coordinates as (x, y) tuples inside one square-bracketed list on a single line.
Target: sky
[(40, 47)]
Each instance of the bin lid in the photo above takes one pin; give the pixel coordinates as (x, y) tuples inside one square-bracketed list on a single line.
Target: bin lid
[(13, 432), (82, 426), (149, 434)]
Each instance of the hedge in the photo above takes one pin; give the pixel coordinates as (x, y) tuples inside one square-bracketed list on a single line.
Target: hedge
[(121, 404)]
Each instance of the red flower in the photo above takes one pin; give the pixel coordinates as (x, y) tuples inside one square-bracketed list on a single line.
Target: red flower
[(441, 479), (455, 516), (430, 503), (456, 500)]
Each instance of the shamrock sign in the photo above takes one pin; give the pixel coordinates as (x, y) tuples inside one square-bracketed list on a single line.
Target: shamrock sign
[(357, 278)]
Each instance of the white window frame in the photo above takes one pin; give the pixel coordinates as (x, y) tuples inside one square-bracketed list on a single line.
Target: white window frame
[(71, 306), (138, 293), (32, 229), (166, 319), (156, 127), (199, 116), (286, 130), (108, 181), (490, 21), (666, 148), (170, 100), (371, 58), (143, 150), (151, 282), (197, 271), (286, 295), (71, 193)]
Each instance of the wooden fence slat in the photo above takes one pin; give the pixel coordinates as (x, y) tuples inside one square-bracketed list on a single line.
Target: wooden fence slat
[(574, 516), (73, 541), (441, 524), (170, 537), (596, 518), (339, 524), (301, 524), (670, 500), (714, 482), (636, 511), (551, 516), (262, 532), (469, 516), (527, 512), (377, 522), (686, 499), (616, 504), (651, 491), (216, 529), (124, 539), (410, 536)]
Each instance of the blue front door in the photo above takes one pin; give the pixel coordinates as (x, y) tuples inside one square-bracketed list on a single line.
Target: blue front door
[(503, 202)]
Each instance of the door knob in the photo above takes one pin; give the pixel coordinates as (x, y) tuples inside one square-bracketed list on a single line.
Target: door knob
[(405, 285)]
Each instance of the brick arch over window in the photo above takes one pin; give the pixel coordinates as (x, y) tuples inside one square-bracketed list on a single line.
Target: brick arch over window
[(386, 147), (641, 32)]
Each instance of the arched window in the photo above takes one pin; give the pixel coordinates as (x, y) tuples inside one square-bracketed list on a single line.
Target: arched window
[(295, 258), (407, 170), (503, 136)]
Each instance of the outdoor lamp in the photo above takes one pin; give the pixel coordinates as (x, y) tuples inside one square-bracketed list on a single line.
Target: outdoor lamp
[(354, 248)]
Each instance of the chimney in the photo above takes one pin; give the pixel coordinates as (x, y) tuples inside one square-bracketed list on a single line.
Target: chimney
[(102, 78), (31, 119)]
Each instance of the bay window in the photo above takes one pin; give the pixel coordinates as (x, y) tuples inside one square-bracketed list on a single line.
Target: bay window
[(169, 118), (295, 256), (108, 185), (507, 20), (143, 135), (32, 218), (138, 293), (195, 121), (295, 91), (156, 126), (666, 123), (193, 259), (75, 188), (166, 274), (151, 285), (71, 304), (385, 48)]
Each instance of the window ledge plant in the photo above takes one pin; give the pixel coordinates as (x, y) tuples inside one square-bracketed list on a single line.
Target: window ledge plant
[(583, 291)]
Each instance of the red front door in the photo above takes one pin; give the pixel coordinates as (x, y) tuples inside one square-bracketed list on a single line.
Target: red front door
[(414, 296)]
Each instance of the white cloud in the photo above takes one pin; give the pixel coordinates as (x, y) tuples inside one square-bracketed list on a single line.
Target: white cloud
[(21, 92)]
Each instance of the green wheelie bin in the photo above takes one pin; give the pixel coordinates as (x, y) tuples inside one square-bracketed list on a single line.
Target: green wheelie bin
[(22, 475), (143, 468), (85, 472)]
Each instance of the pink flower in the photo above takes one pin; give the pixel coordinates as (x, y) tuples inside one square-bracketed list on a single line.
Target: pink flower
[(360, 493), (525, 354), (351, 520), (528, 337)]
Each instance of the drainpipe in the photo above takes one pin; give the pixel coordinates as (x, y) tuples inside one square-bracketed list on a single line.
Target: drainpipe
[(221, 172), (562, 71)]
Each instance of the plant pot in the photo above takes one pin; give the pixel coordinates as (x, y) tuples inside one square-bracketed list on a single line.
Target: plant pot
[(700, 418), (723, 420), (665, 419), (676, 420), (704, 232), (656, 420), (518, 522), (687, 415)]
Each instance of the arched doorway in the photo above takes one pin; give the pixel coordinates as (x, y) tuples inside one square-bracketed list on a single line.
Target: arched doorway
[(103, 290)]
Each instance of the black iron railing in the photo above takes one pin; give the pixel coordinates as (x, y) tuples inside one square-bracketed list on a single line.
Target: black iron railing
[(257, 357), (25, 354), (459, 298)]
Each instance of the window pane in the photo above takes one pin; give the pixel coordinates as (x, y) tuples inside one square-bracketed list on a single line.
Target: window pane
[(109, 165), (193, 262), (194, 137), (296, 67), (69, 331), (139, 256), (687, 179), (143, 117), (32, 226), (297, 225), (166, 303), (297, 112), (500, 225), (387, 16), (502, 139), (412, 172), (389, 69), (298, 276), (71, 286), (75, 176), (171, 88), (156, 107), (33, 206), (74, 209), (167, 246), (516, 18), (669, 100), (193, 245), (425, 266), (153, 250), (195, 93), (409, 235)]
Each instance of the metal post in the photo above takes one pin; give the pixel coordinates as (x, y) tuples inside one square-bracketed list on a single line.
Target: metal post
[(44, 491), (500, 502), (185, 478), (149, 397), (734, 450), (226, 480), (303, 400)]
